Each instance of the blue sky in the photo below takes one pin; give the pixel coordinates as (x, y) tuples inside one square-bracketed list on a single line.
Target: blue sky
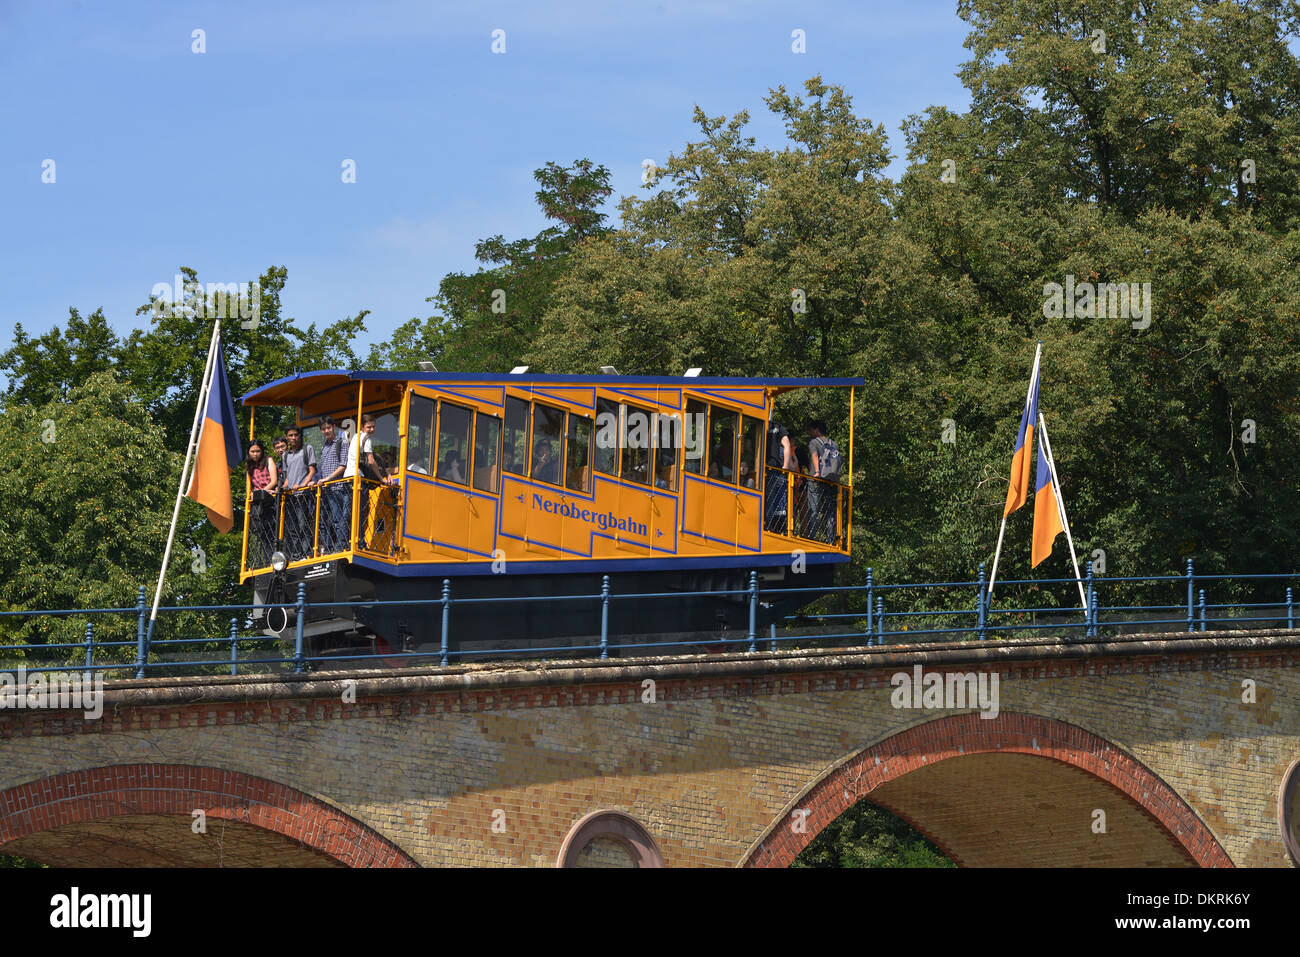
[(229, 161)]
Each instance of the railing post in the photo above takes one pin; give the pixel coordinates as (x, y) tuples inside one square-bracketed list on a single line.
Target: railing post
[(90, 647), (773, 633), (880, 620), (1191, 584), (234, 647), (871, 601), (1090, 596), (1096, 614), (604, 616), (753, 610), (981, 606), (302, 621), (446, 617), (141, 607), (1202, 609), (1290, 614)]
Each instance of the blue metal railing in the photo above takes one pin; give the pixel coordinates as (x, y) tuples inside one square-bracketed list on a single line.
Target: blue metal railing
[(850, 614)]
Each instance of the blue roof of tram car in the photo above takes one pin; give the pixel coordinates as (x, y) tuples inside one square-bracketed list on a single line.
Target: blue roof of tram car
[(291, 390)]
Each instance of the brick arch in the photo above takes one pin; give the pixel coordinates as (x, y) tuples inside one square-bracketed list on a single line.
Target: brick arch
[(969, 734), (94, 794)]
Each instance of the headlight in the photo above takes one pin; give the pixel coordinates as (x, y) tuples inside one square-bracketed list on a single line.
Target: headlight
[(279, 561)]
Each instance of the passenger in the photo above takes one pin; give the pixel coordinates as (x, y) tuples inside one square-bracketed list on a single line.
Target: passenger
[(362, 447), (416, 457), (361, 456), (260, 483), (451, 469), (664, 464), (336, 498), (825, 466), (780, 455), (300, 510), (280, 446), (544, 463), (746, 474)]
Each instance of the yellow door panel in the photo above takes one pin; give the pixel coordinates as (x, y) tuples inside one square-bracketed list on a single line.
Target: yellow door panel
[(482, 524)]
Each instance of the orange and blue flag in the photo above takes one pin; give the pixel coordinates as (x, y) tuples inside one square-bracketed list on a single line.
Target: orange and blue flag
[(1018, 492), (218, 453), (1047, 510)]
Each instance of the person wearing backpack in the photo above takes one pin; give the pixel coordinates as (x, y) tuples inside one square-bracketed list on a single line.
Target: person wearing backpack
[(826, 465)]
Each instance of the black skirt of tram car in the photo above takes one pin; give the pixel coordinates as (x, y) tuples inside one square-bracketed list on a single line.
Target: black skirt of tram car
[(687, 622)]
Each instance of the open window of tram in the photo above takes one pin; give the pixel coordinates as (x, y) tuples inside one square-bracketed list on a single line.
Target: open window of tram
[(798, 503)]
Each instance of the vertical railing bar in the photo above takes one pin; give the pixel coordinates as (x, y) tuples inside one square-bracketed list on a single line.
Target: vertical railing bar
[(234, 646), (298, 663), (981, 606), (753, 610), (1290, 616), (871, 592), (1202, 609), (1191, 584), (1090, 598), (142, 607), (90, 647), (604, 616), (446, 617)]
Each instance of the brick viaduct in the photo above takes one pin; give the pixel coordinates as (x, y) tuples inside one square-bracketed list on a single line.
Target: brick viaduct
[(721, 760)]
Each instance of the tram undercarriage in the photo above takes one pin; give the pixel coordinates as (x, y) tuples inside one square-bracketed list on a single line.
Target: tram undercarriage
[(538, 620)]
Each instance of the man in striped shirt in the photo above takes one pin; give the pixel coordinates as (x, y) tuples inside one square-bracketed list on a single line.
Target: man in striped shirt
[(336, 502)]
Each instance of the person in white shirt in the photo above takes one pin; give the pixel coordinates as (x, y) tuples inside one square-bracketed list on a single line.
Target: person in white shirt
[(372, 469)]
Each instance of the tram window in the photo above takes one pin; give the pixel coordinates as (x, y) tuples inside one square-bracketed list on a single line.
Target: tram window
[(605, 459), (636, 445), (577, 453), (453, 443), (487, 439), (548, 431), (751, 452), (668, 440), (419, 434), (722, 444), (514, 455), (696, 413)]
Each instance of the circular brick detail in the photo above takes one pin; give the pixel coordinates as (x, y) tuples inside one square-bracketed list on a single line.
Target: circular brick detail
[(966, 734), (1288, 811), (616, 826), (176, 789)]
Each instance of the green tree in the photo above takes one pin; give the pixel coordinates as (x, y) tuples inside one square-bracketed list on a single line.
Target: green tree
[(49, 367), (869, 836), (86, 507)]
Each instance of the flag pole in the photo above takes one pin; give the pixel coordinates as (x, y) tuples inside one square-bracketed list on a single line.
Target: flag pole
[(1033, 374), (204, 388), (1060, 509), (997, 554)]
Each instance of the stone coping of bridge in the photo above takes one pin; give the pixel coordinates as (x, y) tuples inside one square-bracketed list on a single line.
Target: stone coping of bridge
[(768, 664)]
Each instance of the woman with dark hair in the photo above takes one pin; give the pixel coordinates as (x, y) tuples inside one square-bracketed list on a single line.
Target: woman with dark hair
[(261, 480)]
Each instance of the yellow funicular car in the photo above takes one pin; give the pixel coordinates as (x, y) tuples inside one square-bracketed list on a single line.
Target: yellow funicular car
[(518, 486)]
